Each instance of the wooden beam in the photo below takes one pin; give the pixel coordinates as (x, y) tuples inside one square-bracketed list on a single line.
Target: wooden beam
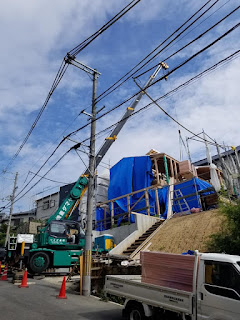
[(128, 208), (137, 201), (125, 195), (157, 172), (171, 166), (147, 202), (157, 202), (176, 173)]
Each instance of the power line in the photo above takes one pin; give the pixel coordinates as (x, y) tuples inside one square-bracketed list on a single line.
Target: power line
[(63, 68), (167, 114), (173, 44), (56, 81), (87, 41), (130, 73), (191, 42), (48, 178), (17, 199), (196, 54)]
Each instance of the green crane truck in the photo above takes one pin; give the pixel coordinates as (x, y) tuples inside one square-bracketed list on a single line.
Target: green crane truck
[(60, 242)]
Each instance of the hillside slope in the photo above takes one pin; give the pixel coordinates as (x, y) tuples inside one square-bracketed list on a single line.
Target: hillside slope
[(188, 232)]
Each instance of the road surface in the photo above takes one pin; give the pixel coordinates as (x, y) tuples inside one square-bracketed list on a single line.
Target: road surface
[(39, 302)]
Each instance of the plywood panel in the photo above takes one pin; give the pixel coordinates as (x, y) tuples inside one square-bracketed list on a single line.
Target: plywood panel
[(168, 270)]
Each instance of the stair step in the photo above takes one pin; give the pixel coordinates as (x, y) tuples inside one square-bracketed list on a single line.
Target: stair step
[(138, 241), (128, 252), (135, 247)]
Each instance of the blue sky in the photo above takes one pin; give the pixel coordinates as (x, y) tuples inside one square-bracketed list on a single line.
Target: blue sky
[(36, 35)]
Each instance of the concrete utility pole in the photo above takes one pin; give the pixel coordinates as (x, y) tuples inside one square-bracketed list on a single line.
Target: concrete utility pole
[(91, 183), (188, 151), (12, 197), (87, 255), (208, 154)]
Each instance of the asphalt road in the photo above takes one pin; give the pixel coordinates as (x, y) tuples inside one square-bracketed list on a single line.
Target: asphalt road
[(39, 302)]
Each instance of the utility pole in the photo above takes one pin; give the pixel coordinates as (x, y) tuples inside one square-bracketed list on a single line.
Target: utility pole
[(87, 255), (188, 151), (209, 158), (91, 183), (12, 197)]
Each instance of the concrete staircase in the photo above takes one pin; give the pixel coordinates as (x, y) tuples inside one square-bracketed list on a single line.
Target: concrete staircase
[(141, 239)]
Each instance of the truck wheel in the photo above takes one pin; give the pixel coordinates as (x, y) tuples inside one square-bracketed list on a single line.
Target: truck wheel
[(134, 312), (39, 262)]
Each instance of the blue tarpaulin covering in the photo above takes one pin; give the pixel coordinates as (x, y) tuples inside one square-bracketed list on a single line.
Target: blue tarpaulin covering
[(128, 175), (135, 173), (187, 188)]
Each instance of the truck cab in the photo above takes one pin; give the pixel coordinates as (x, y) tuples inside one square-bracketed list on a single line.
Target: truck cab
[(218, 287)]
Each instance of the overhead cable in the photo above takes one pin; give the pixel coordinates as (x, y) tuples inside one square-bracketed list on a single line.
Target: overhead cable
[(48, 178), (56, 81), (63, 68), (75, 51), (42, 177), (196, 54), (191, 42), (130, 73), (168, 115)]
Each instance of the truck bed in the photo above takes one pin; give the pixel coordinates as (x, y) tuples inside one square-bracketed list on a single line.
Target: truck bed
[(131, 287)]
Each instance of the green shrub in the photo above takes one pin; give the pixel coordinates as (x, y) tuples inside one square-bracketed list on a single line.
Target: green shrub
[(228, 239)]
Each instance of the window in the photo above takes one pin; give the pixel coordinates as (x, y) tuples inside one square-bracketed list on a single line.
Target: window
[(57, 228), (52, 203), (45, 205), (222, 279), (48, 204)]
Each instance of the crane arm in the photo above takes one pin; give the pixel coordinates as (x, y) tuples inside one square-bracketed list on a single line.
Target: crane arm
[(75, 194)]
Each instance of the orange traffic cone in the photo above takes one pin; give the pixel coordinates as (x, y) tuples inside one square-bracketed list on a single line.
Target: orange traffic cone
[(24, 280), (62, 294), (4, 275)]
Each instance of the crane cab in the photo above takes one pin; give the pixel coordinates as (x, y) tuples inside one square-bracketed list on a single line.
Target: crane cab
[(65, 233)]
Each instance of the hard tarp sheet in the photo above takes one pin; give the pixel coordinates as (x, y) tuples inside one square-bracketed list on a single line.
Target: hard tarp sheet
[(189, 188)]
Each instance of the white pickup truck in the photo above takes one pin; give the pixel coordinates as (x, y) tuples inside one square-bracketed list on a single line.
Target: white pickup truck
[(215, 294)]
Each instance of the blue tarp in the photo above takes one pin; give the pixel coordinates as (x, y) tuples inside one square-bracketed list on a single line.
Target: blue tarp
[(128, 175), (135, 173), (187, 188)]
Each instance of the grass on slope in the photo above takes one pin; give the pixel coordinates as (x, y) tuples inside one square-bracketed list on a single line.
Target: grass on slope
[(188, 232)]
